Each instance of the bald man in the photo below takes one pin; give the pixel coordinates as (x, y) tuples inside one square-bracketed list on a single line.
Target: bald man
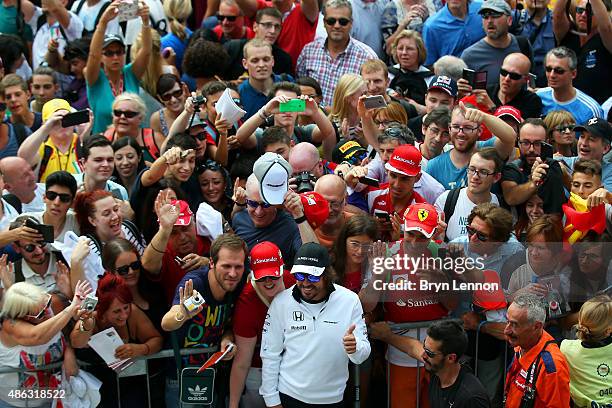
[(20, 181), (305, 157), (512, 88)]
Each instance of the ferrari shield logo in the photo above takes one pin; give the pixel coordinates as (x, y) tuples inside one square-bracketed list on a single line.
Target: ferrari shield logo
[(423, 214)]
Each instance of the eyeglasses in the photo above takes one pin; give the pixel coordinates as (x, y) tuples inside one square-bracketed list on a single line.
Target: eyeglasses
[(342, 20), (32, 247), (125, 269), (430, 354), (299, 276), (228, 18), (168, 96), (527, 144), (269, 26), (255, 204), (491, 14), (64, 198), (465, 129), (480, 173), (564, 128), (580, 10), (266, 278), (435, 131), (127, 114), (558, 71), (43, 310), (513, 75), (109, 53), (355, 245), (481, 237)]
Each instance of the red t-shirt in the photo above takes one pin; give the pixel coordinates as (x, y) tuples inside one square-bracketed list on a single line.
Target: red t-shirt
[(250, 314), (352, 280), (296, 32), (249, 34)]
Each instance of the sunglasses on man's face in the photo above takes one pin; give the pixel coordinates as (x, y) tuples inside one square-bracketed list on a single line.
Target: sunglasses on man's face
[(513, 75), (301, 277), (430, 353), (64, 198), (255, 204), (558, 71), (32, 247), (580, 10), (331, 21), (125, 269), (127, 114), (479, 235), (228, 18), (167, 96)]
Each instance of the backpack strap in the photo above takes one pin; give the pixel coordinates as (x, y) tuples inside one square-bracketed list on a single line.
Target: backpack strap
[(524, 46), (80, 7), (18, 268), (148, 138), (450, 204), (135, 232), (13, 201), (96, 242), (44, 161), (102, 10)]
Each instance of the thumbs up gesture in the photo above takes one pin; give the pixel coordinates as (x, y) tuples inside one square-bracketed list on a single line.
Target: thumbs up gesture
[(349, 342), (470, 114)]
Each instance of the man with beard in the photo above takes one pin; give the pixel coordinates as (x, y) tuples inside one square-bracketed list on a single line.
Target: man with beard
[(539, 375), (512, 88), (450, 168), (451, 384), (489, 53), (219, 283), (593, 45), (531, 173), (315, 322)]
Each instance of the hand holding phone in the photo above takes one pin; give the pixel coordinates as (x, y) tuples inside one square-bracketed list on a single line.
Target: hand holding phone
[(75, 118), (294, 105), (374, 102)]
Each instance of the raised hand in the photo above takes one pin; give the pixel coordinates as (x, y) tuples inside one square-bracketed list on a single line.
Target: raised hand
[(470, 114), (7, 275), (239, 196), (184, 294), (62, 279), (348, 341)]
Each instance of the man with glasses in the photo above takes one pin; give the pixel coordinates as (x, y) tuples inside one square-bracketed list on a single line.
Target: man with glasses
[(435, 133), (267, 27), (450, 168), (313, 322), (561, 65), (484, 170), (533, 173), (512, 88), (451, 383), (592, 43), (231, 23), (488, 53), (326, 60)]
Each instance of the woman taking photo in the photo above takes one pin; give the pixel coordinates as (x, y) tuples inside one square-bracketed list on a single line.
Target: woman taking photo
[(106, 74), (172, 93), (140, 338), (129, 162), (560, 132), (350, 249), (128, 114), (31, 336), (343, 113)]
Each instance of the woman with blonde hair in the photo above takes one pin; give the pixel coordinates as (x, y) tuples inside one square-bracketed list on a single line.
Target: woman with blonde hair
[(590, 357), (128, 114), (560, 132), (177, 11), (344, 107)]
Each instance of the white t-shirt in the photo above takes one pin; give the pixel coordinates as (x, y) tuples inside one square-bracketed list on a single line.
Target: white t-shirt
[(46, 33), (38, 203), (459, 220), (71, 223), (89, 14)]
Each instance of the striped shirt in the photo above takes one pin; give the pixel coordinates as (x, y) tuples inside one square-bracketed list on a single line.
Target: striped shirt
[(582, 106)]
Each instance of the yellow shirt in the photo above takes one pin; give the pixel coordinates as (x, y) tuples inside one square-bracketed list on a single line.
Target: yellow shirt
[(57, 160)]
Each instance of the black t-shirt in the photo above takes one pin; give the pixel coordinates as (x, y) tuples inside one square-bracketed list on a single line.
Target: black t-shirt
[(527, 102), (282, 60), (416, 125), (466, 392), (594, 62)]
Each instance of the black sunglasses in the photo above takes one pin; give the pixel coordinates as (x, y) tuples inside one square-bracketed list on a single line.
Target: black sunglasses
[(109, 53), (430, 354), (125, 269), (491, 14), (43, 310), (127, 114), (265, 278), (342, 20), (564, 128), (558, 71), (255, 204), (167, 96), (481, 237), (64, 198), (513, 75), (228, 18), (32, 247)]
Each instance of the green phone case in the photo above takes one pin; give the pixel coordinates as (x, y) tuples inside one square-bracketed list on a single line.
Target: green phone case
[(294, 105)]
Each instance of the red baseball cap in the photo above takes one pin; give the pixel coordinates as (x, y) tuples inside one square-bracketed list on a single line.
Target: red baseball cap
[(421, 217), (316, 208), (266, 260), (185, 213), (406, 160), (507, 110)]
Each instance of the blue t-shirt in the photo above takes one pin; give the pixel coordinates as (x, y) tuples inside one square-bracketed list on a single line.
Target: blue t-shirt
[(100, 96), (283, 232), (582, 107), (179, 47), (11, 147), (442, 168), (252, 100)]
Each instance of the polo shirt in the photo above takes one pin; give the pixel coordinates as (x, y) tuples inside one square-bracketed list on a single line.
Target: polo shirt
[(45, 282), (253, 100), (445, 34), (529, 103)]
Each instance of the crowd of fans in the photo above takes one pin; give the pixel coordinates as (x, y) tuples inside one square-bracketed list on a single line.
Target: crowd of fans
[(469, 139)]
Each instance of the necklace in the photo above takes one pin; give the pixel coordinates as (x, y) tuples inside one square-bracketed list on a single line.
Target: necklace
[(116, 91)]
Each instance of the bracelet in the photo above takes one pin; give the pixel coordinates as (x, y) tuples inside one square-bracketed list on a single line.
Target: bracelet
[(240, 204), (262, 114), (300, 219), (155, 249), (82, 327)]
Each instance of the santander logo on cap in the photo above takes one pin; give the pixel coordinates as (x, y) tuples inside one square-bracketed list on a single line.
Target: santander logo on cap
[(407, 161)]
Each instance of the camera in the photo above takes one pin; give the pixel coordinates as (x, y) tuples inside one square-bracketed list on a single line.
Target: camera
[(198, 101), (89, 303), (304, 181), (195, 301)]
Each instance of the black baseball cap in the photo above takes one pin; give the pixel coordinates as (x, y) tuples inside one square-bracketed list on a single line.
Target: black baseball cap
[(348, 150), (311, 258), (597, 127), (112, 38)]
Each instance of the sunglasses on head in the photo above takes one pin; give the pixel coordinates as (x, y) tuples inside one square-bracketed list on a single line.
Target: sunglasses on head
[(167, 96), (32, 247), (228, 18), (127, 114), (64, 198), (342, 20), (513, 75), (110, 53), (299, 276), (125, 269), (43, 310), (558, 71), (255, 204), (208, 165), (479, 235)]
